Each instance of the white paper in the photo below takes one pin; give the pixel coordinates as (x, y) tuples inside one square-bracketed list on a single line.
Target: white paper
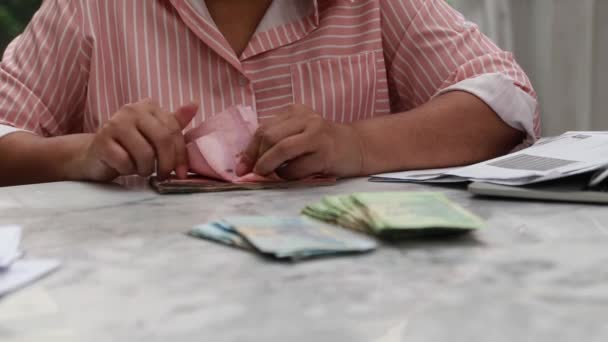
[(16, 273), (550, 158), (10, 237), (24, 272), (419, 175), (566, 155)]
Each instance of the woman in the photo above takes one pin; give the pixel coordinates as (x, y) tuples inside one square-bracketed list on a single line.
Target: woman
[(97, 89)]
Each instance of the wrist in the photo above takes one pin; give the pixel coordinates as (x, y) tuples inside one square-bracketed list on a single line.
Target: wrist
[(350, 157), (73, 163)]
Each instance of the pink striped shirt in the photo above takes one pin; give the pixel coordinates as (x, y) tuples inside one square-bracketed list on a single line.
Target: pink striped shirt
[(79, 61)]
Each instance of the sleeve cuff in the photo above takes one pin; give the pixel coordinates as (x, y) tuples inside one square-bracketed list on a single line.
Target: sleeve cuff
[(513, 105), (6, 129)]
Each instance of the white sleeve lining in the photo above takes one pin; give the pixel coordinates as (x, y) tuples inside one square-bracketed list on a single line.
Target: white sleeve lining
[(513, 105), (5, 129)]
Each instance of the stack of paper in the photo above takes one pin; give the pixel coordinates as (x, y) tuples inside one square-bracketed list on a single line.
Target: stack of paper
[(291, 238), (15, 272), (420, 176), (569, 154), (394, 215)]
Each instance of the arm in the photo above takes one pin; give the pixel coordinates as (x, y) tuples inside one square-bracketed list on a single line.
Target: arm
[(456, 128), (457, 99), (138, 139), (43, 81), (438, 51), (461, 99), (28, 158)]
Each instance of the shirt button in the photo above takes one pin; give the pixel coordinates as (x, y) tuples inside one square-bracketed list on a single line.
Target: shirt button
[(243, 81)]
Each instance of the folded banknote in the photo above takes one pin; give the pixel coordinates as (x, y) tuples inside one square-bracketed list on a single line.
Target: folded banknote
[(290, 238)]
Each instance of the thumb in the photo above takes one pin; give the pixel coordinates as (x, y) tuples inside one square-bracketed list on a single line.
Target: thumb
[(185, 114)]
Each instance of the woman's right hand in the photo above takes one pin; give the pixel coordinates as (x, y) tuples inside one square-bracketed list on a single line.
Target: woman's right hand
[(139, 139)]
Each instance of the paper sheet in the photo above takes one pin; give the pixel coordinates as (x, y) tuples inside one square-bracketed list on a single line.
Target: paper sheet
[(430, 175), (551, 158), (9, 246), (23, 273), (14, 272)]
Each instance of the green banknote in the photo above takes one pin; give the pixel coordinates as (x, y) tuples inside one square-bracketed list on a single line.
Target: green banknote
[(396, 214), (338, 210)]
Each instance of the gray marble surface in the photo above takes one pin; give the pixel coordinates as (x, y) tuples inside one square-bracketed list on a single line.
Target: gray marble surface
[(539, 272)]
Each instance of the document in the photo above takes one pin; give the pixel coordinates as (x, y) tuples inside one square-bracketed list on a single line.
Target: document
[(569, 154), (426, 176)]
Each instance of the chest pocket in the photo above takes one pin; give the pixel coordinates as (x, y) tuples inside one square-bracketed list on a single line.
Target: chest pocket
[(342, 89)]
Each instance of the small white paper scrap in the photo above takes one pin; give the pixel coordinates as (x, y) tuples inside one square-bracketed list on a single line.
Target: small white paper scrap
[(25, 272), (14, 272), (10, 237)]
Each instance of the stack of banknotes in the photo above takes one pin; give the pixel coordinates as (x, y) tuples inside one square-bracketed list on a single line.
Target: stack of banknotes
[(395, 215), (291, 238)]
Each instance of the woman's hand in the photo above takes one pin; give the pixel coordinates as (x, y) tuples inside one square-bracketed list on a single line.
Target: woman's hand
[(139, 139), (299, 143)]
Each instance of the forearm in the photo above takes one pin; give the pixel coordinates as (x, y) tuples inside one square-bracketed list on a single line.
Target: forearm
[(26, 158), (454, 129)]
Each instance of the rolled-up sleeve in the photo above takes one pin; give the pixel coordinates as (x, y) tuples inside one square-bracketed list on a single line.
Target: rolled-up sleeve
[(43, 74), (431, 49)]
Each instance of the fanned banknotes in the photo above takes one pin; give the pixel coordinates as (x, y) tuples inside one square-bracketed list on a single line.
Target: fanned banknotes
[(394, 215), (292, 238), (214, 150)]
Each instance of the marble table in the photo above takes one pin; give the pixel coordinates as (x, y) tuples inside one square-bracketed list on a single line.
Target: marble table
[(539, 272)]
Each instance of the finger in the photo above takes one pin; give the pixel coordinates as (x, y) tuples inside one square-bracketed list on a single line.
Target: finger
[(147, 106), (249, 156), (179, 120), (162, 142), (279, 132), (181, 156), (265, 138), (175, 123), (303, 167), (117, 158), (183, 116), (139, 150), (283, 152)]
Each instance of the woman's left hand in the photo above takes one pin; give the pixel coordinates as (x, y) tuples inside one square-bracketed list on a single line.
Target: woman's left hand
[(299, 143)]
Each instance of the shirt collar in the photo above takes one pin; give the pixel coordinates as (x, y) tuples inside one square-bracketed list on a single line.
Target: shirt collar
[(303, 16), (279, 13)]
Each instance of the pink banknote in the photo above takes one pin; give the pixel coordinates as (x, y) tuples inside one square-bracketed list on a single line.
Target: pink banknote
[(214, 147)]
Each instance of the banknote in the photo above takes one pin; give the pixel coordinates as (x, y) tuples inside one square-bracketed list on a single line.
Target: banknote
[(285, 237), (217, 232), (395, 214)]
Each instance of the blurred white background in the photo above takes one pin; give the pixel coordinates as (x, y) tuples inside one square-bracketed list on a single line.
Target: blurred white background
[(563, 45)]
